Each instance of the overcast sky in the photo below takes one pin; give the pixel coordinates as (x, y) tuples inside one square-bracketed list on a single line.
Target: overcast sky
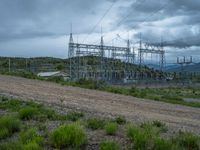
[(30, 28)]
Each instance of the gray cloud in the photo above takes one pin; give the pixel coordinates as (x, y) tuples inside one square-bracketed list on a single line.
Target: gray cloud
[(170, 19), (177, 22)]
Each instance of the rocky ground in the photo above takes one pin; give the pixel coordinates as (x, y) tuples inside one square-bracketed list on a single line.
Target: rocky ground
[(97, 103)]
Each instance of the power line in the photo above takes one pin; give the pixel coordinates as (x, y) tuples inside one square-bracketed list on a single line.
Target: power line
[(153, 13), (123, 19), (107, 11)]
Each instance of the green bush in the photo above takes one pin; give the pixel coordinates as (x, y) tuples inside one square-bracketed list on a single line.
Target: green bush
[(8, 126), (4, 133), (74, 116), (138, 137), (27, 113), (32, 146), (66, 136), (39, 112), (109, 145), (13, 105), (111, 128), (28, 140), (159, 125), (187, 141), (143, 138), (31, 136), (161, 144), (120, 120), (95, 123), (12, 146)]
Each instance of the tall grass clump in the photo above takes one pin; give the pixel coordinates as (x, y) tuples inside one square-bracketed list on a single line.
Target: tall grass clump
[(8, 126), (27, 113), (143, 138), (31, 135), (68, 136), (160, 125), (95, 123), (74, 116), (40, 113), (31, 139), (187, 140), (111, 128), (161, 144), (120, 120), (109, 145)]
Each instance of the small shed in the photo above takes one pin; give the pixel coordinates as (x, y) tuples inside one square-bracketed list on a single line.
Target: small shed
[(60, 74)]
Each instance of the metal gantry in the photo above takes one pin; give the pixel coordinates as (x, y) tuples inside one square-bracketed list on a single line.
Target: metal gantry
[(104, 67), (145, 48)]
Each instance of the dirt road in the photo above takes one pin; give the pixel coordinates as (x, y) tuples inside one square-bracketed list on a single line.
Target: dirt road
[(103, 103)]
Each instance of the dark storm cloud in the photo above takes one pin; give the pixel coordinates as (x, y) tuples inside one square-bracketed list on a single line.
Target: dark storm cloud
[(35, 18), (169, 19), (31, 24)]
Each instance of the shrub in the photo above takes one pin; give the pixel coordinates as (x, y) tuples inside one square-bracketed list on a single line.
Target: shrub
[(187, 141), (143, 138), (12, 146), (27, 113), (68, 136), (138, 137), (31, 136), (13, 105), (161, 144), (111, 128), (120, 120), (95, 123), (74, 116), (159, 125), (32, 146), (8, 126), (4, 133), (109, 145)]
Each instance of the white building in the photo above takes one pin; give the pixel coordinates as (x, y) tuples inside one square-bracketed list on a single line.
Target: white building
[(60, 74)]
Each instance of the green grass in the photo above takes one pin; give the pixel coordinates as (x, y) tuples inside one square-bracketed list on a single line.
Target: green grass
[(12, 146), (160, 125), (120, 120), (161, 144), (67, 136), (74, 116), (27, 113), (30, 110), (148, 137), (95, 123), (28, 140), (111, 128), (109, 145), (187, 141), (143, 138), (31, 136), (8, 126)]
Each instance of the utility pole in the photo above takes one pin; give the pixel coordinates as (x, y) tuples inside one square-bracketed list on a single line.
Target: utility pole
[(102, 55), (9, 64), (183, 61), (26, 64)]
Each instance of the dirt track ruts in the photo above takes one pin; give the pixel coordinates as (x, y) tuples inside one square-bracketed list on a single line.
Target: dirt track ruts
[(135, 109)]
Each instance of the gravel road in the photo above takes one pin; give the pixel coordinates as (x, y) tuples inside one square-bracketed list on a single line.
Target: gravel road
[(102, 103)]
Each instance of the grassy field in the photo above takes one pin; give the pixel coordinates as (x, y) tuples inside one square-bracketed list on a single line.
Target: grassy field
[(32, 126)]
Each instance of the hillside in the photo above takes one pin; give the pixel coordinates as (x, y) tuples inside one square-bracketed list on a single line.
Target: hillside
[(53, 64)]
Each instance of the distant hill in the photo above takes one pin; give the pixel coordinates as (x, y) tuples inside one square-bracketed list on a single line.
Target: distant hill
[(189, 68)]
